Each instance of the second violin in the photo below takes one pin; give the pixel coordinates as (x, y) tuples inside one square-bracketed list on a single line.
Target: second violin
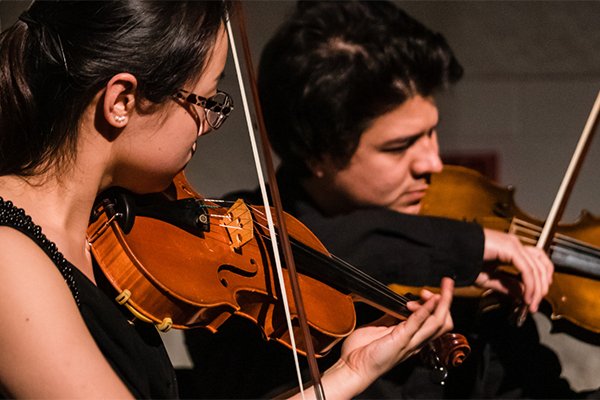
[(465, 194)]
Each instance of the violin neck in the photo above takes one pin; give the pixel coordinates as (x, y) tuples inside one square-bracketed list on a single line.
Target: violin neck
[(349, 280)]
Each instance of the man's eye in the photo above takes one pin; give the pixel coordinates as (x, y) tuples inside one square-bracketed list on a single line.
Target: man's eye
[(400, 147), (397, 149), (403, 146)]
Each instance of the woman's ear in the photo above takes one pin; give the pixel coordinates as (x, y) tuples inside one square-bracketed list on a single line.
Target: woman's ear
[(119, 99)]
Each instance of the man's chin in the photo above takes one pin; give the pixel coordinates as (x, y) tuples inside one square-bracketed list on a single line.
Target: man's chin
[(408, 208)]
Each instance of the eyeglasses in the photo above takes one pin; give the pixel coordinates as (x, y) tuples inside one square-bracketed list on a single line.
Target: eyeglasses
[(216, 108)]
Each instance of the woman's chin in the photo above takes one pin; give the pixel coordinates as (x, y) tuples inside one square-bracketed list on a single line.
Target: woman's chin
[(154, 184)]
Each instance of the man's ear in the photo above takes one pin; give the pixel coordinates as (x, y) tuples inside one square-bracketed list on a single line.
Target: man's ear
[(119, 99), (317, 168)]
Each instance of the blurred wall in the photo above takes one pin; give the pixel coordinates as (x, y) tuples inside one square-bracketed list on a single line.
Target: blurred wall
[(532, 75)]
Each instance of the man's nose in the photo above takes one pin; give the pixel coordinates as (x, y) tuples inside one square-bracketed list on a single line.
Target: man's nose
[(427, 157)]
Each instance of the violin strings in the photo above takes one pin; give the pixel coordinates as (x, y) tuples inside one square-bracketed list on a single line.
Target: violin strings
[(222, 216), (354, 272), (561, 240), (376, 285), (224, 225), (578, 246), (218, 201), (348, 269)]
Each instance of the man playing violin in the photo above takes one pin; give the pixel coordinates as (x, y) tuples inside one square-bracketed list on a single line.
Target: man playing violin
[(349, 104)]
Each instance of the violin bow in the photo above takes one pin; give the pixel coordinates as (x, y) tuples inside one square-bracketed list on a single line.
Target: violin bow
[(277, 205), (566, 187)]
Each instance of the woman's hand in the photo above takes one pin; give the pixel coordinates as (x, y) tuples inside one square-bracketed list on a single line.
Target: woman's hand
[(535, 268), (371, 351)]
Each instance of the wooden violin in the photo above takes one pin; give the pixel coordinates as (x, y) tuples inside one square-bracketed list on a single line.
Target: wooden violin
[(464, 194), (180, 261)]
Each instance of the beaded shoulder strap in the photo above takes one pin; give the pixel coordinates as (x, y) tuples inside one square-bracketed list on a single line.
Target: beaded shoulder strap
[(15, 217)]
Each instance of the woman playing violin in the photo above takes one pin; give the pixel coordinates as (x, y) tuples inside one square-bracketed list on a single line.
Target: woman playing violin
[(89, 101), (348, 92)]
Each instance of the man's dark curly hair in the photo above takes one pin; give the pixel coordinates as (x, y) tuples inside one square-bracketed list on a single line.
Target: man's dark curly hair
[(333, 67)]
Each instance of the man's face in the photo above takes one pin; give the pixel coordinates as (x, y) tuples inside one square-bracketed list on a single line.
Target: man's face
[(393, 161)]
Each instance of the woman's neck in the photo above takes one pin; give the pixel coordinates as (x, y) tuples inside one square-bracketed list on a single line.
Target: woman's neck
[(61, 206)]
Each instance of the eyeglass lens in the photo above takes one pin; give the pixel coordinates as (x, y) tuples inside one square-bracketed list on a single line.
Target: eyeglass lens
[(218, 108)]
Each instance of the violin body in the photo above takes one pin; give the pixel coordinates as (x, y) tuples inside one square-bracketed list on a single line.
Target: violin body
[(464, 194), (175, 278)]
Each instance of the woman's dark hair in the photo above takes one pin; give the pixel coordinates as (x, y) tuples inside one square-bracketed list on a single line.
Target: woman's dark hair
[(59, 54), (333, 67)]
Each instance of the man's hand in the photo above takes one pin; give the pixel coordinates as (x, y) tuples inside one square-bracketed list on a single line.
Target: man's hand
[(531, 262)]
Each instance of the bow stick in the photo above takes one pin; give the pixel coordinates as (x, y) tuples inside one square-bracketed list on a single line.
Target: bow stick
[(274, 191), (565, 189)]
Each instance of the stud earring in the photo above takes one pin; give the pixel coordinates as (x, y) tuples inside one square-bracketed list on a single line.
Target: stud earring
[(119, 118)]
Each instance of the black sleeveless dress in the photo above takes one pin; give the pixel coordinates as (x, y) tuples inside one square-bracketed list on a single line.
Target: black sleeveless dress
[(135, 351)]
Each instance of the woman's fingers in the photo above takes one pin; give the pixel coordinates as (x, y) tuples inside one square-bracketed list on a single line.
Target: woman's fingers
[(432, 318), (370, 351)]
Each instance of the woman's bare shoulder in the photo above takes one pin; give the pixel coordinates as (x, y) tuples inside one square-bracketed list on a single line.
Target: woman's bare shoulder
[(43, 332)]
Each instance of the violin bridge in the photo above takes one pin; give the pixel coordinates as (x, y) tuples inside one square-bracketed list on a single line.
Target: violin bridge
[(240, 228)]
